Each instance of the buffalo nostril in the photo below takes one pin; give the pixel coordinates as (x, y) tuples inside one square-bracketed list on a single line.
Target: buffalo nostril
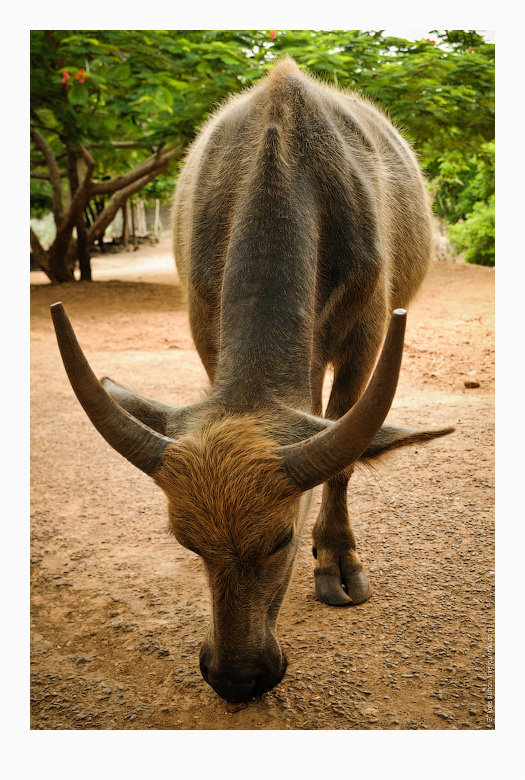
[(237, 687), (233, 691), (241, 683)]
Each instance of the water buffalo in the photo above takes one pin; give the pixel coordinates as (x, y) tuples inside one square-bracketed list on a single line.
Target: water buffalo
[(301, 226)]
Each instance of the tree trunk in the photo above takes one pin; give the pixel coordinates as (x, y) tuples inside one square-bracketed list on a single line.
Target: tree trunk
[(62, 253), (60, 267), (142, 228), (132, 213), (88, 212), (158, 224), (83, 255), (40, 255), (125, 224)]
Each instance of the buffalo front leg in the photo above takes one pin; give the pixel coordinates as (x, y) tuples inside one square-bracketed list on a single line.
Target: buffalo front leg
[(339, 575)]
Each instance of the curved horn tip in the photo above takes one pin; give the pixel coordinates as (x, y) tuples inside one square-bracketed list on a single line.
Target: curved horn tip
[(57, 312), (136, 441)]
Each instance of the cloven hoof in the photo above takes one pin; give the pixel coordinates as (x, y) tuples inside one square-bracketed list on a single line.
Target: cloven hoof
[(329, 589)]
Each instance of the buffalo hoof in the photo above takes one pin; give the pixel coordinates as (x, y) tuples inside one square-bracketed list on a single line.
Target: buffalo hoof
[(358, 587), (355, 589)]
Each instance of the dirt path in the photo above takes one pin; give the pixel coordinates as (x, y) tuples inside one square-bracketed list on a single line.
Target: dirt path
[(119, 608)]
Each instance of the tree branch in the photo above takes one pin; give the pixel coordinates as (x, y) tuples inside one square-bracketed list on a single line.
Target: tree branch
[(80, 198), (39, 253), (51, 130), (46, 176), (119, 198), (88, 159), (126, 144), (152, 163), (58, 157), (54, 174)]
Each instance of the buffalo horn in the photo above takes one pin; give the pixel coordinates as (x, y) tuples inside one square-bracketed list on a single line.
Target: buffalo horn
[(141, 445), (327, 453)]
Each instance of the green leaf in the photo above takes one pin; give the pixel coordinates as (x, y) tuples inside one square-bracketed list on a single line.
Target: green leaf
[(164, 96), (121, 72), (78, 94)]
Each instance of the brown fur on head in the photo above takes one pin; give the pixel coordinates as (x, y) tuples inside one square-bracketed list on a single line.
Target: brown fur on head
[(227, 491)]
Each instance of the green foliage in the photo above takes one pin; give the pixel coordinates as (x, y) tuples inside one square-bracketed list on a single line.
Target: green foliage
[(39, 198), (475, 236), (161, 188), (440, 91), (147, 88), (464, 180)]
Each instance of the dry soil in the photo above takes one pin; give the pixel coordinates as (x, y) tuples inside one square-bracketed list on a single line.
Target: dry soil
[(119, 608)]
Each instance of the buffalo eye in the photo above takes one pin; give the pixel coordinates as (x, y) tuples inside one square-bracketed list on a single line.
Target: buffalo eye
[(283, 542)]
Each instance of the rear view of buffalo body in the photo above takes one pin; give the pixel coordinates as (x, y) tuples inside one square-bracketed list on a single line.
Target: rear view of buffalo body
[(301, 227)]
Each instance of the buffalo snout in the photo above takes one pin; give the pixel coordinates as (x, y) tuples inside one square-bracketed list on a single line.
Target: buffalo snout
[(241, 682)]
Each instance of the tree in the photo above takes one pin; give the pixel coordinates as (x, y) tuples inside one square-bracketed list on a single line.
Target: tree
[(153, 88), (112, 110)]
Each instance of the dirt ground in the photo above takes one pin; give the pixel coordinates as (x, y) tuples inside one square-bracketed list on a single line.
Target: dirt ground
[(119, 608)]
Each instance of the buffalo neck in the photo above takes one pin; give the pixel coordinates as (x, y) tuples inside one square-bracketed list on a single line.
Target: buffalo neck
[(268, 296)]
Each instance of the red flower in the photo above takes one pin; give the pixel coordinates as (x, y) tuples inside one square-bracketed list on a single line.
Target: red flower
[(272, 34), (65, 76), (82, 75)]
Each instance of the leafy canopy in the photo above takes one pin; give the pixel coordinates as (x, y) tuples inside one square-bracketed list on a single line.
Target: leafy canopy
[(129, 92)]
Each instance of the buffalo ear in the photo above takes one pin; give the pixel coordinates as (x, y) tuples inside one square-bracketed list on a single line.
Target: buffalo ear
[(152, 413), (390, 437)]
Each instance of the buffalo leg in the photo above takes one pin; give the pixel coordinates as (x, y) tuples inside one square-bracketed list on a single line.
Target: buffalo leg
[(339, 575), (204, 327)]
